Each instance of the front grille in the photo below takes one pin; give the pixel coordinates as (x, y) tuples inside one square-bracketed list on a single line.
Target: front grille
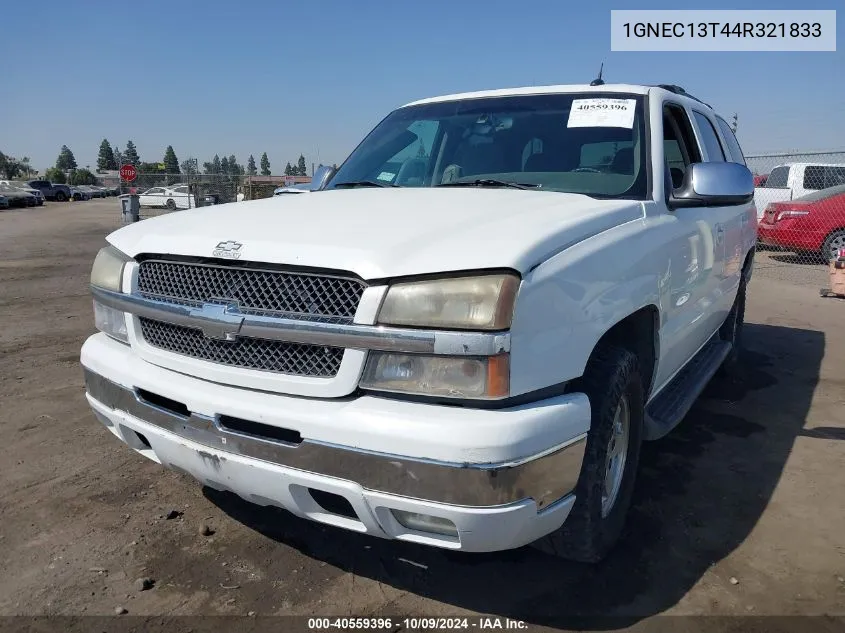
[(265, 292), (250, 353)]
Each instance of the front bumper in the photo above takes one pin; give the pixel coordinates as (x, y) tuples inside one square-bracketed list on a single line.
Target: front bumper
[(500, 503)]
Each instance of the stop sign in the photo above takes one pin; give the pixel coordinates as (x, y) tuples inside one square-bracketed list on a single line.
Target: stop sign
[(128, 173)]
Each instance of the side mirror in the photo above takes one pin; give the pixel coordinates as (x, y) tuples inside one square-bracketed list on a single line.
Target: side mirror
[(321, 177), (714, 185)]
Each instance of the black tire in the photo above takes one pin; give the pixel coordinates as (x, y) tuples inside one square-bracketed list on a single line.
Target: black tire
[(170, 204), (832, 243), (60, 196), (588, 534), (731, 330)]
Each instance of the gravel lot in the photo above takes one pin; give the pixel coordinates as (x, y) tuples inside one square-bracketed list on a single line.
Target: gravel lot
[(740, 511)]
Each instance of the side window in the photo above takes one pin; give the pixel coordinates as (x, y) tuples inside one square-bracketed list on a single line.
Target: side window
[(814, 177), (834, 176), (778, 178), (709, 138), (734, 149), (679, 146)]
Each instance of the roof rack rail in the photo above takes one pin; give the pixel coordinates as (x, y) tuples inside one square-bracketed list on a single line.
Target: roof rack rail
[(680, 91)]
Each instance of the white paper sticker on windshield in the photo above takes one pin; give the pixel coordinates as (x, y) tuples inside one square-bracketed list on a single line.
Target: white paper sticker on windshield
[(386, 175), (602, 113)]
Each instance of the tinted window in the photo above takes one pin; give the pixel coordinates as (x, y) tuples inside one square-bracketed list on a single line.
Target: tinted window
[(814, 177), (679, 146), (525, 139), (730, 138), (834, 176), (709, 138), (778, 178)]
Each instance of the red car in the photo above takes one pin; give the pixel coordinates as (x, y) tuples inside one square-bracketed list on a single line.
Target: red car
[(814, 223)]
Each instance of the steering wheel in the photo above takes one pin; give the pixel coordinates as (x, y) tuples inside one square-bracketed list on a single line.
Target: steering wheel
[(587, 169)]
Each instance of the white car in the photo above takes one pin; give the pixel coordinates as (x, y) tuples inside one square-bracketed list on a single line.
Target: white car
[(300, 188), (464, 340), (174, 197)]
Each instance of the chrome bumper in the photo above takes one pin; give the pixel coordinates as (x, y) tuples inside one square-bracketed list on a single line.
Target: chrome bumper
[(545, 478)]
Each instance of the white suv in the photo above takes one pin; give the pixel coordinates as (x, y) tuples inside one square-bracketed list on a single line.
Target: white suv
[(463, 341)]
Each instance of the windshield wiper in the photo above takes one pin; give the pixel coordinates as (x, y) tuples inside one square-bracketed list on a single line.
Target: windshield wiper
[(490, 182), (364, 183)]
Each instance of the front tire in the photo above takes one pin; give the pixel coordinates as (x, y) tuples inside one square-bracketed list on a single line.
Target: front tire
[(731, 330), (61, 197), (171, 204), (605, 487)]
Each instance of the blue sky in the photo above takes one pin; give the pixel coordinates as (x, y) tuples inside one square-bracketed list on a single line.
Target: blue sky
[(313, 77)]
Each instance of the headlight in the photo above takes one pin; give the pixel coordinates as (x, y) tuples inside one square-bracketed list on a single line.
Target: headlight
[(449, 376), (466, 303), (110, 321), (107, 271)]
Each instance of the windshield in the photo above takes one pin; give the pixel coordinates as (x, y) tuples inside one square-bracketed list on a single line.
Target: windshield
[(579, 143)]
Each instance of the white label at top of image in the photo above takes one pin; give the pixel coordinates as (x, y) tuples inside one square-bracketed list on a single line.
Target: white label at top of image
[(602, 113), (723, 30)]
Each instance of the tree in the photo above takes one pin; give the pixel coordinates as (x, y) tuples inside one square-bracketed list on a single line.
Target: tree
[(130, 156), (106, 159), (171, 163), (9, 166), (66, 160), (301, 169), (235, 168), (213, 167), (224, 166), (118, 156), (250, 166), (82, 177), (288, 169), (55, 175), (265, 165), (190, 166)]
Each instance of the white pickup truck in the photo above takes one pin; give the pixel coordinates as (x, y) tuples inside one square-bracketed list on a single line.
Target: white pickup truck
[(463, 339)]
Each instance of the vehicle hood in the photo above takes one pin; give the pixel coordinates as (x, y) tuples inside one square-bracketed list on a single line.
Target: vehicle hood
[(386, 232)]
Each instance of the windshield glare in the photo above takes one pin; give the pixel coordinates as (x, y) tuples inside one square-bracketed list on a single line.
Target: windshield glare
[(532, 140)]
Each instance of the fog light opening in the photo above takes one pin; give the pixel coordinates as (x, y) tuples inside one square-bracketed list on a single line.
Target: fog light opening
[(425, 523)]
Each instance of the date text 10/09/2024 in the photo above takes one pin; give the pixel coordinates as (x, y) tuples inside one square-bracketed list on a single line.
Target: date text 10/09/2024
[(723, 29), (479, 623)]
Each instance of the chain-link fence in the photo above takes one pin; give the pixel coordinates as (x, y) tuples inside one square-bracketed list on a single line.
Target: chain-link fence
[(161, 193), (800, 200)]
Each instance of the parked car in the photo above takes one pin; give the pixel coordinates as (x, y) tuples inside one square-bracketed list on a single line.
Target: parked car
[(92, 191), (77, 194), (464, 348), (760, 180), (174, 197), (17, 197), (49, 190), (300, 188), (4, 202), (39, 197), (813, 223), (793, 180)]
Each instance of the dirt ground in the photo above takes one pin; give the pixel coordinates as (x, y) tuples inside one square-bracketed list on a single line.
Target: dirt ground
[(739, 512)]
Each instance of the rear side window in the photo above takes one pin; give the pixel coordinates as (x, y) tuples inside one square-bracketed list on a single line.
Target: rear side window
[(709, 138), (735, 151), (834, 176), (813, 177), (778, 178)]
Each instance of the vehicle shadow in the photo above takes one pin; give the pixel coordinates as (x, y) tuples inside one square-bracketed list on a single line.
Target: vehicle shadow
[(803, 259), (700, 492)]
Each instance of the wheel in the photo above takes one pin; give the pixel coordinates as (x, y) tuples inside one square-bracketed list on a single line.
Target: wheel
[(606, 483), (60, 196), (171, 204), (832, 244)]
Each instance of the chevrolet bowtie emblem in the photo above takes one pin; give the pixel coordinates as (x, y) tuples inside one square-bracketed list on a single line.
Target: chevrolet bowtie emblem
[(219, 321), (227, 250)]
